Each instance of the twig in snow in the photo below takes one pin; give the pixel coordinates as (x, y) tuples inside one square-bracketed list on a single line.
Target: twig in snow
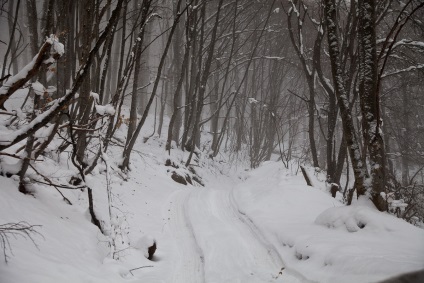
[(22, 229), (139, 268)]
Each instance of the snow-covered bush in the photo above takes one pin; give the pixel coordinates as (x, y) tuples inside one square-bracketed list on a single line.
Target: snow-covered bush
[(406, 202)]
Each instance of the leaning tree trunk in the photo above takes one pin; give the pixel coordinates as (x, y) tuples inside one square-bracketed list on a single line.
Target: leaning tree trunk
[(345, 112)]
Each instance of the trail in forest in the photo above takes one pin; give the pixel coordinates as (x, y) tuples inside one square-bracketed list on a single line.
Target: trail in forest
[(218, 243)]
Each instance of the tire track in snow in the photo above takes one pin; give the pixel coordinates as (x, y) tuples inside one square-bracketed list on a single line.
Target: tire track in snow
[(219, 243), (190, 265), (233, 253), (272, 251), (288, 274)]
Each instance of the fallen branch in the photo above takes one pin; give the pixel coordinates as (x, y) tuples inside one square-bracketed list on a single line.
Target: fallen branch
[(50, 183), (22, 229), (306, 176), (17, 156), (139, 268)]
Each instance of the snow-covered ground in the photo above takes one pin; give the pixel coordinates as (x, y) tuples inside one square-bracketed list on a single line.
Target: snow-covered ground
[(263, 225)]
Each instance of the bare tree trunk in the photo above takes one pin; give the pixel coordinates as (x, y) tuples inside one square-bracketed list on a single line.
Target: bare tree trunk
[(28, 152), (85, 101), (173, 134), (190, 98), (11, 48), (370, 101), (163, 99), (347, 121), (310, 72), (204, 79), (12, 25), (340, 161), (135, 95), (178, 75), (33, 25), (144, 75), (132, 139), (405, 146), (311, 122)]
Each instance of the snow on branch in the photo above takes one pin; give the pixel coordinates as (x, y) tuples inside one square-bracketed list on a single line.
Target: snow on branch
[(51, 51), (409, 69), (414, 43), (61, 103)]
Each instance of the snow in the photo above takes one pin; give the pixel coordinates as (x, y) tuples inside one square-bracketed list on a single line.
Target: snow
[(252, 100), (51, 89), (408, 69), (9, 136), (20, 114), (105, 109), (262, 225), (38, 88), (323, 240), (43, 134), (95, 96), (58, 47), (20, 75), (144, 243)]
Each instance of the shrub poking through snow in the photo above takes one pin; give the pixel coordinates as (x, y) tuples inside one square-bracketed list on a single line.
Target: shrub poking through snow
[(183, 175)]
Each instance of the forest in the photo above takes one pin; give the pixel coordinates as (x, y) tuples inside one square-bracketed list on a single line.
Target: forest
[(333, 88)]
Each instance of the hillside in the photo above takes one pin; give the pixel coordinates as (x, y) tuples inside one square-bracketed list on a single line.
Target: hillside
[(262, 225)]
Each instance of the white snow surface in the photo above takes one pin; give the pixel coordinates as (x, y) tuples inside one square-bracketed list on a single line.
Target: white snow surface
[(105, 109), (38, 88), (262, 225)]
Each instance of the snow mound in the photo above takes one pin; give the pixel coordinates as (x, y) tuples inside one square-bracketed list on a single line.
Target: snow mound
[(354, 219), (105, 110), (144, 243), (319, 238)]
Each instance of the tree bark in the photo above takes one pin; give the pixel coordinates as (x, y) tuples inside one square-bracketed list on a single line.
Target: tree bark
[(132, 139), (347, 121), (370, 101)]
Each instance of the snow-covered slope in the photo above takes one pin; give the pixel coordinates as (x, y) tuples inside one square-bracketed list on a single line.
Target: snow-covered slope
[(263, 225), (318, 237)]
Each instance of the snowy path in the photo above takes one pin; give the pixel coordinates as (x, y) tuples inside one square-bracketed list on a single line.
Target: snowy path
[(190, 267), (217, 243)]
